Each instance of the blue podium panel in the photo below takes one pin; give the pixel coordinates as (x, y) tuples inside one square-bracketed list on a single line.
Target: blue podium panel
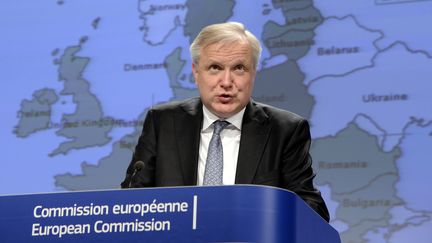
[(179, 214)]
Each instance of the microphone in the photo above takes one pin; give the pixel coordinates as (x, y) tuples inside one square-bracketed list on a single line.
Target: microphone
[(138, 166)]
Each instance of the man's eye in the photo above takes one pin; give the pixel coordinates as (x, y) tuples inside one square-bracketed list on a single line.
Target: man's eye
[(239, 68), (215, 67)]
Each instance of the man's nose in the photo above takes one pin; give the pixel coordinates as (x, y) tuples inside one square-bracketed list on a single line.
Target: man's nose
[(227, 79)]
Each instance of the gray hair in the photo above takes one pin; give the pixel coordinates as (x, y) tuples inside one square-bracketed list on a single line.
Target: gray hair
[(225, 33)]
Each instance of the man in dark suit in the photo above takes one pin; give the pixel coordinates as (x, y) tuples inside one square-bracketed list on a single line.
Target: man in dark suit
[(261, 144)]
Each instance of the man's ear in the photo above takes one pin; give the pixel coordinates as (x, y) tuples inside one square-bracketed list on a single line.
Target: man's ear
[(195, 72)]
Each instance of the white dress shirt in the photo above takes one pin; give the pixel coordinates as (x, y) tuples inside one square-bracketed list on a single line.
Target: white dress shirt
[(230, 137)]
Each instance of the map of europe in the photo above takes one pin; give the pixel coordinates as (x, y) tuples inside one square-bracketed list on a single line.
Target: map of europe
[(81, 75)]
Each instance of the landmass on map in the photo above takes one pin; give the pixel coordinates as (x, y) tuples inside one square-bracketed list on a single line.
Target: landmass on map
[(35, 114)]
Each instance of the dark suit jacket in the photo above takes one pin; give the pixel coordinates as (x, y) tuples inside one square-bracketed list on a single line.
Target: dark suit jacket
[(274, 150)]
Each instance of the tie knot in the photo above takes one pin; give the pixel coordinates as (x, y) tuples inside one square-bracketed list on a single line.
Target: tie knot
[(219, 126)]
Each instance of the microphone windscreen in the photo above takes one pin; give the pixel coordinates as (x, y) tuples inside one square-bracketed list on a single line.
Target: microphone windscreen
[(138, 165)]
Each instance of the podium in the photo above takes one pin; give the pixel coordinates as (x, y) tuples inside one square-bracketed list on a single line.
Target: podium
[(238, 213)]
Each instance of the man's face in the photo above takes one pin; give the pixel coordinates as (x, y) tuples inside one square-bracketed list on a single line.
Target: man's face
[(225, 76)]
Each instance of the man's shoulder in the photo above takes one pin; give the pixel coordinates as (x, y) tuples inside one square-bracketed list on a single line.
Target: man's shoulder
[(278, 115), (187, 104)]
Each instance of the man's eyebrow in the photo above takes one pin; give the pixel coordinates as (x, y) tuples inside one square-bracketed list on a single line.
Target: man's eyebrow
[(212, 62), (240, 61)]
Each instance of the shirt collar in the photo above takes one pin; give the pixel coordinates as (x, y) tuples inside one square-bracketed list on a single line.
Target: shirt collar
[(235, 120)]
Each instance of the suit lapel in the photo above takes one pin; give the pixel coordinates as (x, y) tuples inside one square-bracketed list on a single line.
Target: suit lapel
[(254, 135), (188, 126)]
